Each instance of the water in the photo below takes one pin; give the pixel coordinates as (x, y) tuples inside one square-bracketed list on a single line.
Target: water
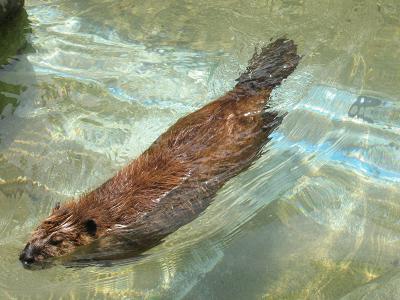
[(95, 82)]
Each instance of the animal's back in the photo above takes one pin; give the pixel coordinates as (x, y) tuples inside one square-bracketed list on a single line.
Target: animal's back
[(183, 169)]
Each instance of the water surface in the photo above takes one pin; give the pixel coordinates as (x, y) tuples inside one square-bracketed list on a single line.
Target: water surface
[(91, 84)]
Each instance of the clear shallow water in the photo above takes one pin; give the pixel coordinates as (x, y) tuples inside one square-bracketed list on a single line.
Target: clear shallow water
[(315, 217)]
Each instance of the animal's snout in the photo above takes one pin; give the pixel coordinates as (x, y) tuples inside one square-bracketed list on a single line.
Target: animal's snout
[(27, 256)]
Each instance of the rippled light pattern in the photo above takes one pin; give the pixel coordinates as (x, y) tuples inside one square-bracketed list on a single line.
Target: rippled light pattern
[(93, 83)]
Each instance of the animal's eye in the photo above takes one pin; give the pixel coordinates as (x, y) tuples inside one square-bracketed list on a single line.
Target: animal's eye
[(56, 240)]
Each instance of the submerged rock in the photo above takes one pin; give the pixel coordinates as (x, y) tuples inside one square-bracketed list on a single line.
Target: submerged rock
[(8, 8), (14, 46), (13, 37)]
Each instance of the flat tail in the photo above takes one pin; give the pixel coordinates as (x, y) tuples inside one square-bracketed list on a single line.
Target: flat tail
[(267, 69)]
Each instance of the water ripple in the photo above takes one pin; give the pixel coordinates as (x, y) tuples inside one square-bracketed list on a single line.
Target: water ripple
[(315, 216)]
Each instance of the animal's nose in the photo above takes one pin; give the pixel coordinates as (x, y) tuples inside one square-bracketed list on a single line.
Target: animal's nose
[(26, 256), (27, 260)]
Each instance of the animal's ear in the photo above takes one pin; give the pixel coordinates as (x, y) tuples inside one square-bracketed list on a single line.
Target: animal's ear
[(91, 227), (56, 206)]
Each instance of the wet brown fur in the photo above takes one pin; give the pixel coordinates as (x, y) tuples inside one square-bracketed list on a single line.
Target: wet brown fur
[(175, 179)]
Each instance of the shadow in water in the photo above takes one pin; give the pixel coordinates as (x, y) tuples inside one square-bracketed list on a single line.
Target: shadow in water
[(14, 45), (363, 108)]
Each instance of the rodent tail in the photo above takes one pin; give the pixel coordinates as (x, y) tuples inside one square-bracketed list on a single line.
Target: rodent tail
[(267, 69)]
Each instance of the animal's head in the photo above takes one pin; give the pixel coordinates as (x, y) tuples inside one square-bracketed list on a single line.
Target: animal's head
[(60, 234)]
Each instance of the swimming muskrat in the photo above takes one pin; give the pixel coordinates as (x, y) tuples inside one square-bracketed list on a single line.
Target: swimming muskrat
[(175, 179)]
